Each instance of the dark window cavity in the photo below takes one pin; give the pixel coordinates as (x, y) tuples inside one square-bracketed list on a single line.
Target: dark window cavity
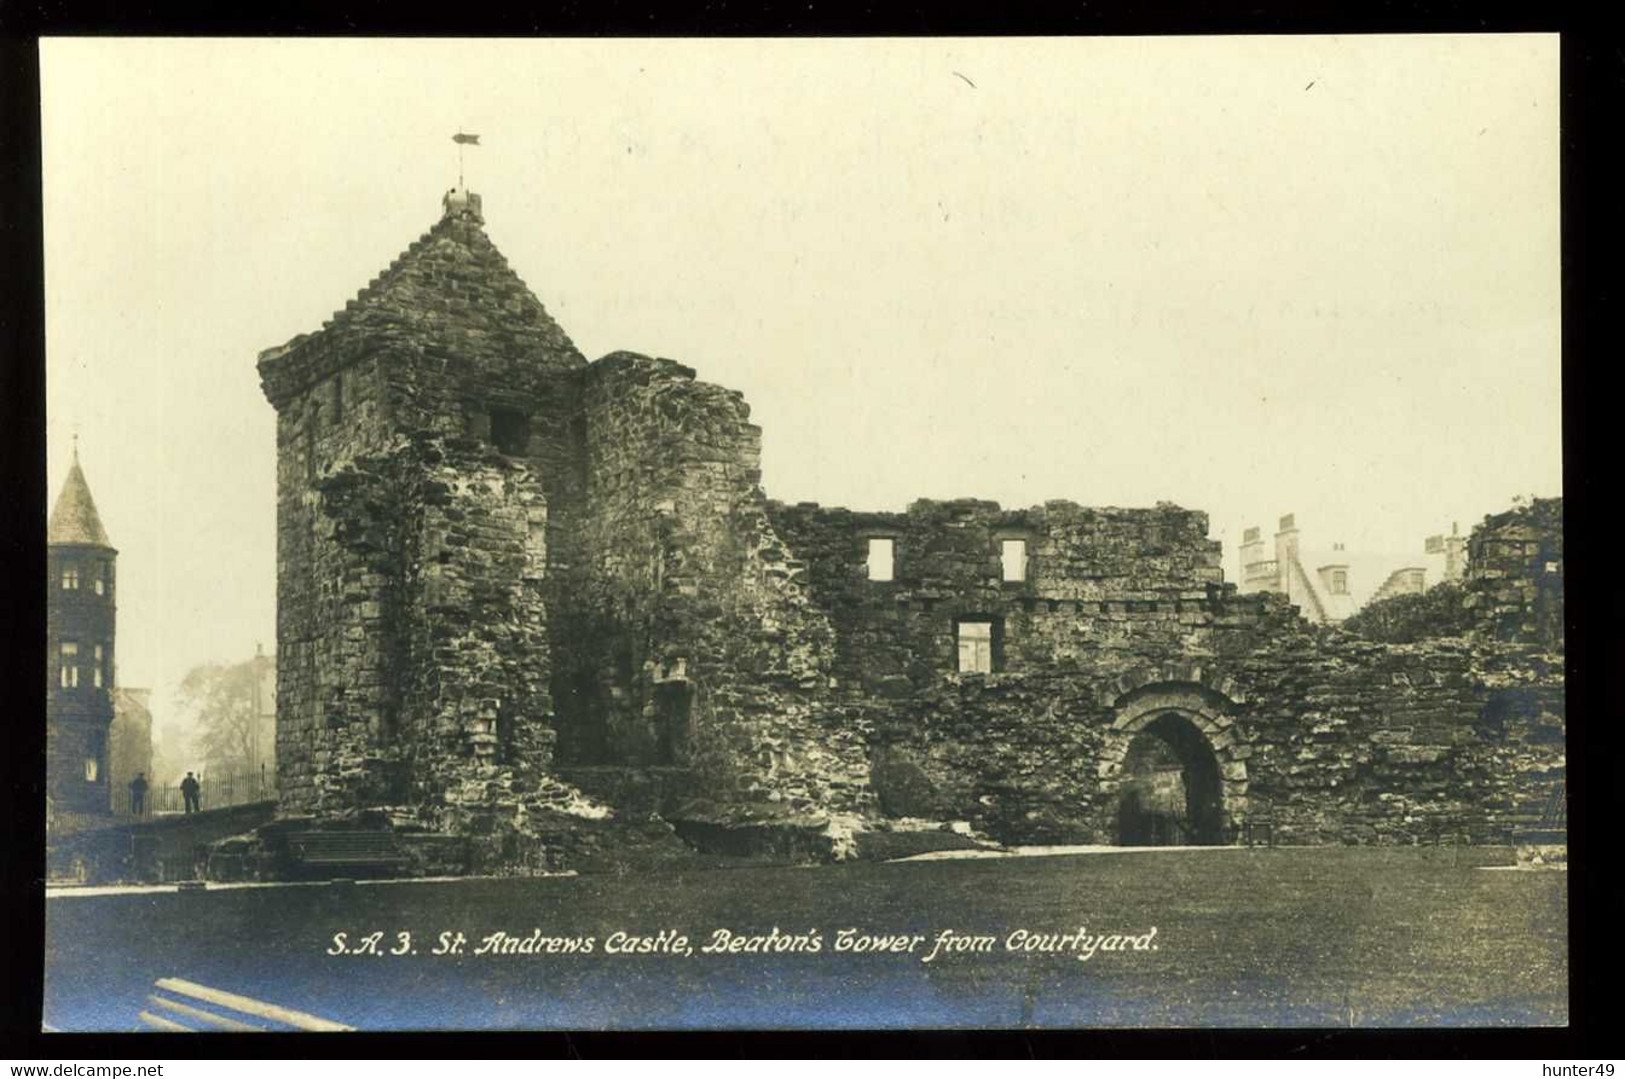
[(510, 431)]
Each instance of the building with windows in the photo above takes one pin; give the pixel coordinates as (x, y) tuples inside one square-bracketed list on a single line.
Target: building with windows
[(1328, 584), (80, 608)]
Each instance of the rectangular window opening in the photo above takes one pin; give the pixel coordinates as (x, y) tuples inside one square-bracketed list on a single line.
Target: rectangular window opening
[(96, 671), (975, 647), (93, 756), (101, 579), (882, 553), (70, 575), (510, 431), (1014, 555), (70, 664)]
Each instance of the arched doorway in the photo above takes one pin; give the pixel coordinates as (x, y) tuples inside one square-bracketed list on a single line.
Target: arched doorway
[(1173, 768), (1171, 793)]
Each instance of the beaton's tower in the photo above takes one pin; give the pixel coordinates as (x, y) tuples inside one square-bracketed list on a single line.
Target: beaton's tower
[(501, 567), (421, 443), (79, 658)]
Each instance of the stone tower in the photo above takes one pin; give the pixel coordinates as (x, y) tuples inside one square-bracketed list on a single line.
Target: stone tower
[(503, 570), (79, 625), (423, 434)]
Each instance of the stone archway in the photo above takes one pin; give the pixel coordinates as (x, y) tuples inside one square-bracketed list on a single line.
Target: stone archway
[(1173, 769), (1170, 794)]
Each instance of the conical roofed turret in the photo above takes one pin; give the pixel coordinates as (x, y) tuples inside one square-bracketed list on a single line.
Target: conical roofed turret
[(75, 520)]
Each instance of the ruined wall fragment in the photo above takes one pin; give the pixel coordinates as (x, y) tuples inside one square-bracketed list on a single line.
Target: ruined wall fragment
[(1146, 583), (695, 642), (1324, 736), (1514, 578)]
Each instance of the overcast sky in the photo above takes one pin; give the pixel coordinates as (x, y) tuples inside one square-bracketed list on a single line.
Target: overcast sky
[(1251, 276)]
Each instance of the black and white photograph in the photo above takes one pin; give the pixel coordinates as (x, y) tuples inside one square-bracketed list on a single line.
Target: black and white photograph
[(1014, 533)]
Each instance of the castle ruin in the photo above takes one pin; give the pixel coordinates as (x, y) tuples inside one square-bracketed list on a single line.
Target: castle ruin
[(534, 604)]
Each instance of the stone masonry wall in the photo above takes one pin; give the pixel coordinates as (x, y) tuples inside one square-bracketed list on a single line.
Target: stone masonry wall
[(476, 725), (334, 560), (1514, 574), (1142, 584), (1351, 743), (693, 640), (78, 716), (1326, 737)]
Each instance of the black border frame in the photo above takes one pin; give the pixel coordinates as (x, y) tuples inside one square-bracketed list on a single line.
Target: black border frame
[(1593, 101)]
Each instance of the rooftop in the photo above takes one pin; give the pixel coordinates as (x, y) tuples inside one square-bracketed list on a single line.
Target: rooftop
[(450, 291), (75, 520)]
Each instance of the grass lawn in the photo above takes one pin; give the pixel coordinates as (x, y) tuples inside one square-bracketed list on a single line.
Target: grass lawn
[(1332, 936)]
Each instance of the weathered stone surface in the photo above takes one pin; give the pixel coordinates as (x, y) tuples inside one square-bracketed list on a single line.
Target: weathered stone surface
[(1515, 573), (903, 787), (1329, 737)]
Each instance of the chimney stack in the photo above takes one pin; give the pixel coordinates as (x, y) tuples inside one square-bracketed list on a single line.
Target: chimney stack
[(1286, 542), (462, 203)]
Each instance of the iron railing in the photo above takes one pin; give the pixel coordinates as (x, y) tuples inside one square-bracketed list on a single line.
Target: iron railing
[(216, 790)]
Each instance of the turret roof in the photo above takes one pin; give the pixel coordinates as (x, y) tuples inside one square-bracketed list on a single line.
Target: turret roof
[(450, 291), (75, 520)]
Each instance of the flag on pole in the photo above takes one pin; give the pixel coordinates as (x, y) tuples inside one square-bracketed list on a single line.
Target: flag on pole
[(469, 140)]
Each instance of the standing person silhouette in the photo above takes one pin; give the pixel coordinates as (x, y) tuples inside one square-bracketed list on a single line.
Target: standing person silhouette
[(189, 793), (138, 795)]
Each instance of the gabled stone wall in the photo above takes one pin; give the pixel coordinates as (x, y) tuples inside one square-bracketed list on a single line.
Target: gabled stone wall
[(412, 557)]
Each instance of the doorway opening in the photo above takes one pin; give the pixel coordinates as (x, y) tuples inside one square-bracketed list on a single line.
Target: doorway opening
[(1171, 792)]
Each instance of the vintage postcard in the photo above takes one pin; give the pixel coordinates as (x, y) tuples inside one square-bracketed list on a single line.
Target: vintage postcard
[(804, 533)]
